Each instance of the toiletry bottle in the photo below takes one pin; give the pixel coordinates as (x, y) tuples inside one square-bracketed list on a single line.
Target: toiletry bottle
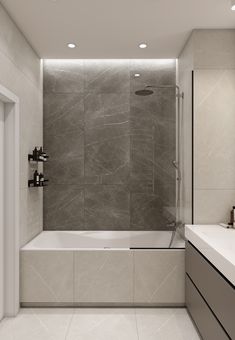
[(41, 179), (41, 155), (36, 178), (233, 216), (35, 154), (230, 223), (45, 156)]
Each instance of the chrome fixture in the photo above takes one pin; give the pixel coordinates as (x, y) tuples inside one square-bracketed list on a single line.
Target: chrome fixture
[(147, 91)]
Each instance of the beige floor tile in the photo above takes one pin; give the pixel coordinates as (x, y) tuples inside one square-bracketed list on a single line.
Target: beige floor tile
[(37, 324), (165, 324), (103, 324)]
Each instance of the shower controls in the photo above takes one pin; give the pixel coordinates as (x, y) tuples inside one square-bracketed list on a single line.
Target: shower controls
[(38, 155)]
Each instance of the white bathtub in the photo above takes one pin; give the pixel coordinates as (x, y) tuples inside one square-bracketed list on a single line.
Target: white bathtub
[(102, 268), (73, 240)]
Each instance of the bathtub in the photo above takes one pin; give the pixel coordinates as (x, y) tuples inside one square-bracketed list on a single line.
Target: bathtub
[(73, 240), (102, 268)]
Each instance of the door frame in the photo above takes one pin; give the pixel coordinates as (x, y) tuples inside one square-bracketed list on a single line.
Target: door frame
[(11, 201)]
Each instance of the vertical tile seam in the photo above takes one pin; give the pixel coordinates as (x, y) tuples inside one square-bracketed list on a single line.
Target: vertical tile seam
[(134, 306), (73, 278), (84, 151), (130, 160), (133, 280)]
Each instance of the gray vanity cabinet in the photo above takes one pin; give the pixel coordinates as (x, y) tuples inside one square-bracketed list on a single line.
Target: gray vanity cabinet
[(210, 297)]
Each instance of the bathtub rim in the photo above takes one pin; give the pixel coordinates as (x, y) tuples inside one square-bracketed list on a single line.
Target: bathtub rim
[(30, 245)]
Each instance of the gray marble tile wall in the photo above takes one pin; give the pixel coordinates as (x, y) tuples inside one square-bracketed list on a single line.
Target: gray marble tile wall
[(110, 150)]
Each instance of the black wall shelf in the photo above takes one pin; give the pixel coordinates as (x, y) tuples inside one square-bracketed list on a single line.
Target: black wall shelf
[(38, 155), (32, 184), (32, 159)]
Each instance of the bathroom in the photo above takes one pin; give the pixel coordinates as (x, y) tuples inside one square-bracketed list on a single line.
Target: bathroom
[(117, 170)]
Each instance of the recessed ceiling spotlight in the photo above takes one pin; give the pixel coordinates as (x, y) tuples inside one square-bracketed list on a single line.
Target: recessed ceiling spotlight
[(233, 5), (137, 75), (71, 45), (142, 45)]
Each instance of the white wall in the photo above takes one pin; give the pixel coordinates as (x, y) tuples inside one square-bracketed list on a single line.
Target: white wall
[(214, 145), (1, 210), (20, 70), (211, 54)]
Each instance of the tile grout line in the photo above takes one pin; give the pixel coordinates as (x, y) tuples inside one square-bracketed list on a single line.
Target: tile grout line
[(69, 325), (136, 325), (133, 279)]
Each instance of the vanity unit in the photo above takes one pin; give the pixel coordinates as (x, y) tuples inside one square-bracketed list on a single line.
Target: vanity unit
[(210, 280)]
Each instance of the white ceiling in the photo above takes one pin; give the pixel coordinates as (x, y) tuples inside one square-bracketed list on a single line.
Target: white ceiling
[(114, 28)]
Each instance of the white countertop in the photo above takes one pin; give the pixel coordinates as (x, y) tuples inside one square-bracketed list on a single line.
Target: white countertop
[(217, 244)]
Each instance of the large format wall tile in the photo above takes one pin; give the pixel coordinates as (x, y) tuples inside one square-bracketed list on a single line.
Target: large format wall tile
[(107, 207), (107, 143), (107, 76), (107, 152), (103, 137), (106, 108), (142, 167), (63, 76), (214, 129), (213, 206), (213, 48), (46, 276), (146, 212), (63, 207), (159, 276), (20, 70), (63, 113), (31, 214), (66, 162), (103, 276), (16, 48)]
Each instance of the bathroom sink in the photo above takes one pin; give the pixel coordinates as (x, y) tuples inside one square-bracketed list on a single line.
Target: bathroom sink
[(217, 244)]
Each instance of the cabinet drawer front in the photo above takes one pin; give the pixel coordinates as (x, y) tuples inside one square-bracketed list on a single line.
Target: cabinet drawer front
[(204, 319), (218, 293)]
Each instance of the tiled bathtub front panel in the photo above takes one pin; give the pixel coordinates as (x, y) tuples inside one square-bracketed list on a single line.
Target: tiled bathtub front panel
[(46, 277), (102, 277), (159, 277)]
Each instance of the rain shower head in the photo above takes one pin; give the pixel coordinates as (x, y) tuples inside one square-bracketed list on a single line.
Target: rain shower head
[(144, 92), (147, 90)]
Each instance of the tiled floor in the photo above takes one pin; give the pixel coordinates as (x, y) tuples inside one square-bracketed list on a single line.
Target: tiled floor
[(99, 324)]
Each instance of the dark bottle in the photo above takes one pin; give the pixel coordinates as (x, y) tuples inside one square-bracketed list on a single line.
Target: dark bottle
[(35, 154), (36, 178)]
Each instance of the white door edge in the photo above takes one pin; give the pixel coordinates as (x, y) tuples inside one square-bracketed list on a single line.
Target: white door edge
[(11, 201)]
